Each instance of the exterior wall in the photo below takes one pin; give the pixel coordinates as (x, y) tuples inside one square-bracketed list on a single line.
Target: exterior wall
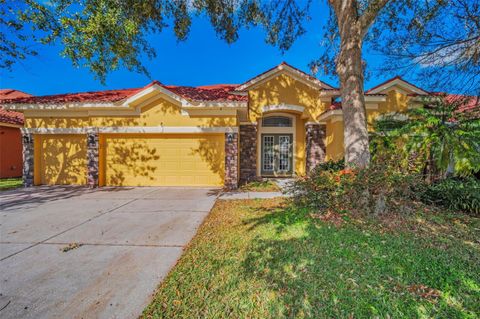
[(231, 160), (283, 89), (315, 145), (28, 159), (334, 140), (92, 159), (248, 152), (157, 113), (300, 153), (10, 152), (397, 101)]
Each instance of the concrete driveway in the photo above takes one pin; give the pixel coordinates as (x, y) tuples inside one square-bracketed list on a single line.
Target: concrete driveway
[(129, 237)]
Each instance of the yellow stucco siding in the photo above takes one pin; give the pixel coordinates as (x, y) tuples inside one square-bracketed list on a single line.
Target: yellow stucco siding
[(397, 101), (162, 160), (334, 140), (160, 112), (60, 159), (283, 89), (300, 155)]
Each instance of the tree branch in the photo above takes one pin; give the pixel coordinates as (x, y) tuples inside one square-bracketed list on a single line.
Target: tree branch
[(370, 14)]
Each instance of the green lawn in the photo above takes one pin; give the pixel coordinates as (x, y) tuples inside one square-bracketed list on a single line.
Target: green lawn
[(260, 186), (263, 259), (10, 183)]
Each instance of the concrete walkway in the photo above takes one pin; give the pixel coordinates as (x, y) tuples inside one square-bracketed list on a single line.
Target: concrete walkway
[(129, 239), (251, 195)]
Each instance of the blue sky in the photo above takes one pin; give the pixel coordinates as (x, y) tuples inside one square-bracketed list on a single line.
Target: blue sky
[(202, 59)]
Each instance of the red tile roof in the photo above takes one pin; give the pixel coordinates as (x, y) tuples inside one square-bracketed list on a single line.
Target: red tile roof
[(11, 117), (219, 92), (6, 94), (99, 96), (213, 93), (469, 103)]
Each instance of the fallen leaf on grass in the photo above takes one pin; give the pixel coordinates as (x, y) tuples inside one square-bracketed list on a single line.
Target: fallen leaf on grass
[(330, 217), (424, 292)]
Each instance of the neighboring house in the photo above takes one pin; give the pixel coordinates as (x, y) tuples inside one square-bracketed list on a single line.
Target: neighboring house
[(280, 123), (10, 137)]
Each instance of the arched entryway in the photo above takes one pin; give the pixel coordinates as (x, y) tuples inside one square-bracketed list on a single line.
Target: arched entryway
[(276, 136)]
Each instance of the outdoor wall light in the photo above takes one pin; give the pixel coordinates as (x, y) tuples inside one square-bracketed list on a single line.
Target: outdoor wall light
[(229, 138)]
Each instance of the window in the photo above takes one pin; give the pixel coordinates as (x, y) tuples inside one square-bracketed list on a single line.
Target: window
[(277, 121)]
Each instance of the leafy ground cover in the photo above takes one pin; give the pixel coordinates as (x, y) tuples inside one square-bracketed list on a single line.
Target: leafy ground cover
[(270, 259), (10, 183), (260, 186)]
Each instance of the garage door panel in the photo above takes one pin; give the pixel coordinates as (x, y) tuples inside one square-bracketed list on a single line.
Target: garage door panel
[(63, 159), (164, 160)]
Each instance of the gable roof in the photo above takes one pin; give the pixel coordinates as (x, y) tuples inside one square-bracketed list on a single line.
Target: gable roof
[(290, 70), (397, 80), (11, 117)]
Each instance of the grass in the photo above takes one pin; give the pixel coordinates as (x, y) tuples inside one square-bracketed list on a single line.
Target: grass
[(260, 186), (265, 259), (10, 183)]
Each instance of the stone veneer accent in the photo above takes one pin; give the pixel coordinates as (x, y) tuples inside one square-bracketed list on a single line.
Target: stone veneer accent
[(231, 160), (248, 152), (28, 158), (92, 159), (315, 144)]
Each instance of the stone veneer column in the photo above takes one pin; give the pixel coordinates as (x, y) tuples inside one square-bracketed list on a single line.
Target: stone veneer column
[(248, 152), (92, 159), (28, 157), (315, 144), (231, 160)]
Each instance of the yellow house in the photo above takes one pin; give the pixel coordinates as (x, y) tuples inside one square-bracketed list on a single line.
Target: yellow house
[(280, 123)]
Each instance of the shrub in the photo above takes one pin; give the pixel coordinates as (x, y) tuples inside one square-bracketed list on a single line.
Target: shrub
[(332, 166), (455, 194), (374, 190)]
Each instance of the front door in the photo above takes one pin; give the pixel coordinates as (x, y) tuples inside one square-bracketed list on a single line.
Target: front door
[(277, 154)]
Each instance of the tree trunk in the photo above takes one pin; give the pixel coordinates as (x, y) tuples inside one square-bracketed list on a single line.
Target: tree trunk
[(350, 72)]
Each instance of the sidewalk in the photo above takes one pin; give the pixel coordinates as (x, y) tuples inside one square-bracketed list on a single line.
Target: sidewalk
[(251, 195)]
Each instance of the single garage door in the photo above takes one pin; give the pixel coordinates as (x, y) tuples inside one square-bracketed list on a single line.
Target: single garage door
[(163, 159), (63, 159)]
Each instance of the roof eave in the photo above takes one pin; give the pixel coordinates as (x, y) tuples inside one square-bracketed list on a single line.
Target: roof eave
[(283, 67)]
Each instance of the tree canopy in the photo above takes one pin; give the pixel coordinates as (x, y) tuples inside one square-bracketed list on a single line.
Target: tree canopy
[(441, 36)]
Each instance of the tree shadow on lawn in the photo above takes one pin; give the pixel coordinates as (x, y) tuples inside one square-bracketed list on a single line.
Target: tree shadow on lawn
[(319, 270)]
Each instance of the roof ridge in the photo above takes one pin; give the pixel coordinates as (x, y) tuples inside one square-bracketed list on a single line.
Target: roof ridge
[(283, 63), (397, 77)]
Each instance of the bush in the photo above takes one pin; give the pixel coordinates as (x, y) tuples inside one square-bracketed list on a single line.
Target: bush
[(332, 166), (455, 194), (374, 190)]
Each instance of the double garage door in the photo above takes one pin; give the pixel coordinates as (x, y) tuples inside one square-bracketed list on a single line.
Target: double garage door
[(135, 159)]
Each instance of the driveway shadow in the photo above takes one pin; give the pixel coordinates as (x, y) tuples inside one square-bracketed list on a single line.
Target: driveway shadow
[(34, 196)]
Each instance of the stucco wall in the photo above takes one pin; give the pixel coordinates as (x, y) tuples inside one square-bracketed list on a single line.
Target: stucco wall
[(286, 90), (397, 100), (160, 112)]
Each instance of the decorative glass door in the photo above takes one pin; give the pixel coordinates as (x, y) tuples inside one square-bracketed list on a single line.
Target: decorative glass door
[(277, 154)]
